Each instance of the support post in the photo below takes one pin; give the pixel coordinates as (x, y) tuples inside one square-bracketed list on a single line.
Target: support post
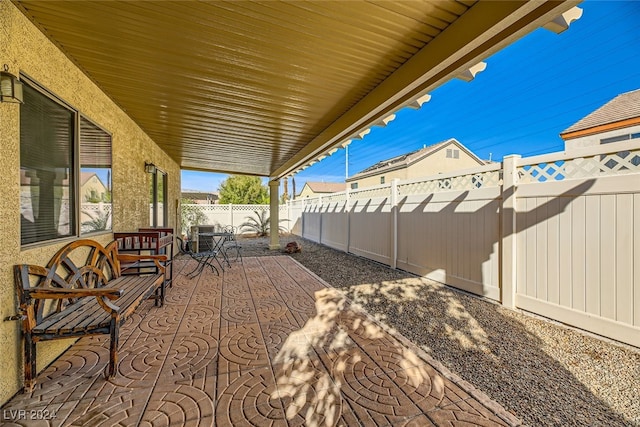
[(508, 268), (274, 219)]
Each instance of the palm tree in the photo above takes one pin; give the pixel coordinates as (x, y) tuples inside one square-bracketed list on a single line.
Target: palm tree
[(98, 222), (259, 224)]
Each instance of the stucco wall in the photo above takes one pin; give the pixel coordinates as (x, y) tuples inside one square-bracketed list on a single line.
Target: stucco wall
[(435, 163), (372, 181), (594, 140), (438, 162), (26, 50), (307, 192)]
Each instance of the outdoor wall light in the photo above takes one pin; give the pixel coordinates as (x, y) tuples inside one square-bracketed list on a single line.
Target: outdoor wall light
[(10, 87), (149, 167)]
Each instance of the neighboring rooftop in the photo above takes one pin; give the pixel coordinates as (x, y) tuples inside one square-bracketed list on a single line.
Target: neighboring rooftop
[(199, 195), (326, 187), (623, 107)]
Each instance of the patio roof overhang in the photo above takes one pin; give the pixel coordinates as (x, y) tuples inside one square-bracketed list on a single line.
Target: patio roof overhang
[(264, 88)]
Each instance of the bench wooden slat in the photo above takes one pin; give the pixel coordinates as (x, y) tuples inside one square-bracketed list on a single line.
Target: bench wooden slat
[(66, 321)]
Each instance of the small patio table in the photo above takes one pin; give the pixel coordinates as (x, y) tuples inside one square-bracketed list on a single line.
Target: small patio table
[(215, 241), (204, 258)]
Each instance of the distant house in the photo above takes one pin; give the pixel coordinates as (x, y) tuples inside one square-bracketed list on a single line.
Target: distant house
[(315, 189), (445, 156), (200, 197), (617, 120), (92, 188)]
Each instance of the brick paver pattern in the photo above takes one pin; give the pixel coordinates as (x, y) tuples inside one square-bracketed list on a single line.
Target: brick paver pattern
[(267, 343)]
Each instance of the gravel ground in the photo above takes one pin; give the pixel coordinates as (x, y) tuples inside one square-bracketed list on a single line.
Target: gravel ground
[(545, 373)]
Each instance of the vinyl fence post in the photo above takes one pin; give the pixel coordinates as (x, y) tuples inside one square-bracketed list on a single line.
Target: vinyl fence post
[(394, 223), (509, 267), (320, 222), (347, 212)]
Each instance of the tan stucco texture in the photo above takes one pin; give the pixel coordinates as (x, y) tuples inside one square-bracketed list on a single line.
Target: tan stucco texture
[(26, 50)]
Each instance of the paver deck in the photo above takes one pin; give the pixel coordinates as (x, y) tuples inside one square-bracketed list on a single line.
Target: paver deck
[(268, 343)]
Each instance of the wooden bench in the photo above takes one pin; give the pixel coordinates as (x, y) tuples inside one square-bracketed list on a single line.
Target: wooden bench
[(154, 241), (81, 292)]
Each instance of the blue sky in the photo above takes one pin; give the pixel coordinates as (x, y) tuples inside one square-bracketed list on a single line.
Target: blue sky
[(530, 92)]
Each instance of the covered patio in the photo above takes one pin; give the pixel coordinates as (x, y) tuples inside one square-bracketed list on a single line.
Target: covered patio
[(256, 88), (266, 343)]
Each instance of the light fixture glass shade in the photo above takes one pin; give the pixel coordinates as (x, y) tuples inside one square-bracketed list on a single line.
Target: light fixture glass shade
[(10, 87), (149, 168)]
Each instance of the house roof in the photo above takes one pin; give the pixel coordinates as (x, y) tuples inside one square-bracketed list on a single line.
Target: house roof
[(198, 195), (265, 88), (620, 109), (405, 160), (86, 176), (325, 187)]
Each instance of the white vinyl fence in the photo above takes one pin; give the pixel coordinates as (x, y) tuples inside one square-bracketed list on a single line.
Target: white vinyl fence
[(236, 215), (557, 235)]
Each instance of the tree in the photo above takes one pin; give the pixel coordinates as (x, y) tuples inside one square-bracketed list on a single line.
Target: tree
[(243, 190), (190, 215)]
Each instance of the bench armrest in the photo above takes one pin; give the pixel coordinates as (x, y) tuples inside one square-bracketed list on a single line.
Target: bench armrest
[(157, 259), (57, 293)]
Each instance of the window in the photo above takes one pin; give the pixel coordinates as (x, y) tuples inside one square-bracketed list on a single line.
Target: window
[(382, 180), (55, 145), (47, 176), (614, 139), (453, 153), (619, 138), (95, 178), (354, 185), (157, 198)]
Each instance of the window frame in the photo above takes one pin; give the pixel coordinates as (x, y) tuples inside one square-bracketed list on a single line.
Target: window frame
[(75, 183), (81, 116), (153, 220)]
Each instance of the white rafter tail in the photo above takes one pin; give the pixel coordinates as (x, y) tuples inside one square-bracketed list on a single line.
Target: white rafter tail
[(470, 73), (416, 104), (332, 151), (346, 143), (321, 158), (384, 122), (362, 134), (562, 22)]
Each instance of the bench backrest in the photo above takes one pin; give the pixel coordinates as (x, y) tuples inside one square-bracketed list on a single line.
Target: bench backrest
[(83, 263)]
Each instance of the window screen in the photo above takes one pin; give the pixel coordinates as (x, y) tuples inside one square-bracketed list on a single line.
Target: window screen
[(47, 180)]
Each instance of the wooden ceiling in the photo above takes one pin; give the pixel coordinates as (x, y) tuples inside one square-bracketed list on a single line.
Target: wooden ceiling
[(265, 87)]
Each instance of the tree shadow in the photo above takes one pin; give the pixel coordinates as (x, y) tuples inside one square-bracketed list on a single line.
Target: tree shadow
[(544, 373), (317, 366), (499, 351)]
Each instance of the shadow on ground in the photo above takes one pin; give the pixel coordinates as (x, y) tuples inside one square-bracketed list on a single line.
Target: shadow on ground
[(544, 373)]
